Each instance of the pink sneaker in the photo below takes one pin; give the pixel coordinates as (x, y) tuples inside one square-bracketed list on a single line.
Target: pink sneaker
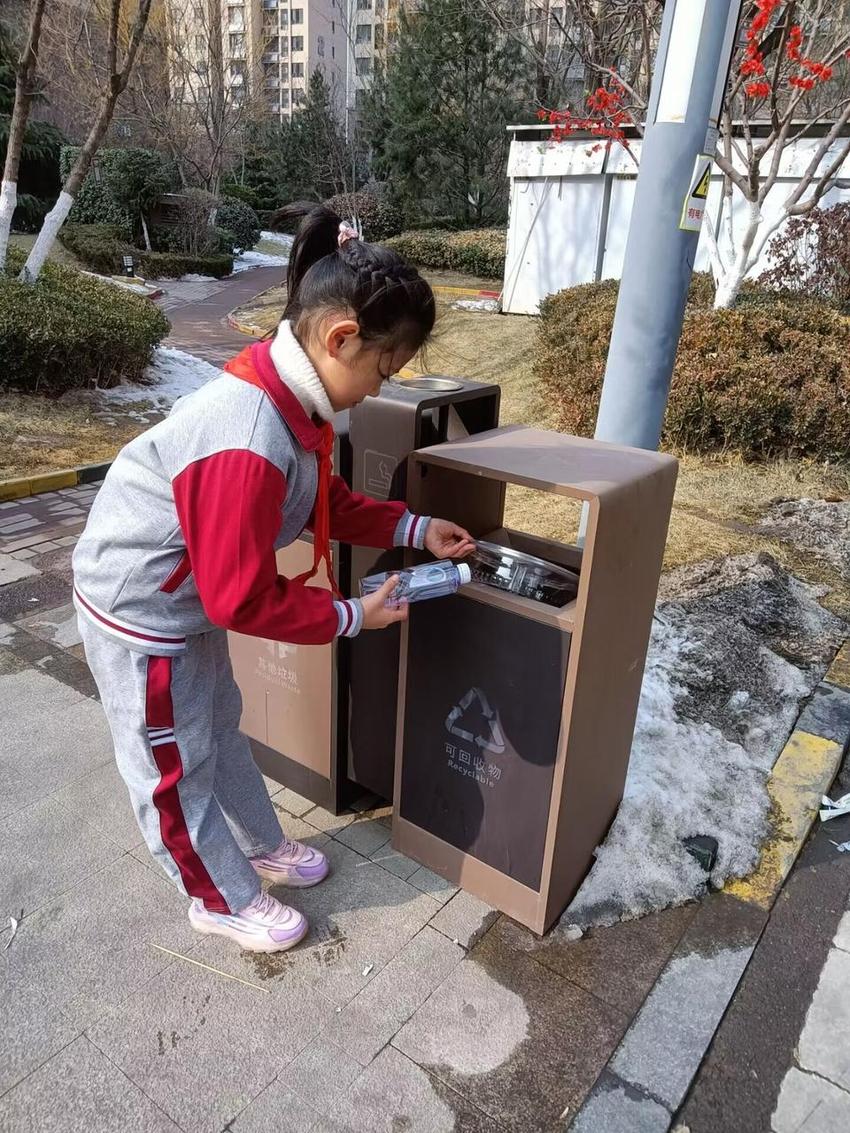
[(263, 926), (293, 864)]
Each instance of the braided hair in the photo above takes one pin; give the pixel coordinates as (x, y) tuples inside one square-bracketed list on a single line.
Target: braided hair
[(393, 304)]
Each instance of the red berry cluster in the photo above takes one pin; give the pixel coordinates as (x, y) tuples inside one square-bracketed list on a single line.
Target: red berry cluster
[(752, 64), (607, 119)]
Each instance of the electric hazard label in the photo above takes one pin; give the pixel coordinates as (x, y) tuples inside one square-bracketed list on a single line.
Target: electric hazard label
[(693, 213)]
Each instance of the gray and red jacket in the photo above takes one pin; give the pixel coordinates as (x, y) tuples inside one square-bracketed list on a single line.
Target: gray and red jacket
[(183, 533)]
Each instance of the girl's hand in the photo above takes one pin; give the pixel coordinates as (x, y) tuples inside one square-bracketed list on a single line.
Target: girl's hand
[(448, 541), (376, 614)]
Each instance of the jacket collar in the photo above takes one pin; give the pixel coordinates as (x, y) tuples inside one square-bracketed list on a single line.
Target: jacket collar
[(254, 364)]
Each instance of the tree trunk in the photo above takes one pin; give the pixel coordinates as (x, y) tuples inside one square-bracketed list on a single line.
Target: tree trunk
[(24, 80), (735, 274), (145, 233), (116, 84), (218, 105), (59, 213)]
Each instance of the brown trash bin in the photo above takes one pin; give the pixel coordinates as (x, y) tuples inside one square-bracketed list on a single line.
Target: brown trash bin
[(321, 719), (516, 718)]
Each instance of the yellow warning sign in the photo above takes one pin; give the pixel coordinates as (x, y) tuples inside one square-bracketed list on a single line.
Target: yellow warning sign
[(702, 188), (694, 211)]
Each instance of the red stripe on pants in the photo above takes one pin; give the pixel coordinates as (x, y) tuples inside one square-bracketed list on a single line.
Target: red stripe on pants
[(159, 713)]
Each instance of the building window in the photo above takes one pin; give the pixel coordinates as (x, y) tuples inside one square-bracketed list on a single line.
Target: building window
[(298, 98), (237, 44), (364, 5), (364, 33), (284, 99), (297, 15), (359, 99), (379, 7), (298, 70), (297, 43), (333, 52), (364, 66), (284, 72), (237, 67), (379, 36), (236, 19), (320, 46), (284, 19), (333, 27), (200, 44)]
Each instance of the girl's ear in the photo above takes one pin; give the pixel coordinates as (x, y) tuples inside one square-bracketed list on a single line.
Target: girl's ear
[(339, 334)]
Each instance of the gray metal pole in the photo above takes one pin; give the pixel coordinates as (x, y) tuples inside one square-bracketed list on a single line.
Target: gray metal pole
[(691, 71)]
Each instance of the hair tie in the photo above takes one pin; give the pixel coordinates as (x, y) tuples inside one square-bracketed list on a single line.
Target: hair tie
[(346, 233)]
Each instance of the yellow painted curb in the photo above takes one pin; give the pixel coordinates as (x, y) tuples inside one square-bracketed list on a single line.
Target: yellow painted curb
[(800, 777), (458, 292), (30, 485), (839, 670)]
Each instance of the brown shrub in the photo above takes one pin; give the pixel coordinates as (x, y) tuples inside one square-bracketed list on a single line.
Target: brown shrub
[(770, 376)]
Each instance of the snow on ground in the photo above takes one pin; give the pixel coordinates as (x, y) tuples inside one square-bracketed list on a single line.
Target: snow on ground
[(172, 374), (484, 306), (254, 259), (735, 649), (819, 526)]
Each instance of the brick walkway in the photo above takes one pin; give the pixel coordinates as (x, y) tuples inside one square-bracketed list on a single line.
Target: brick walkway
[(38, 524)]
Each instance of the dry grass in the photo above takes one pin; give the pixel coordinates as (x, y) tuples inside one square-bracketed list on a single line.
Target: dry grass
[(39, 435)]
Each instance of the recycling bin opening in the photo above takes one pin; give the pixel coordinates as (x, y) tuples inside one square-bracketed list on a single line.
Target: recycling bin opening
[(435, 385), (518, 694)]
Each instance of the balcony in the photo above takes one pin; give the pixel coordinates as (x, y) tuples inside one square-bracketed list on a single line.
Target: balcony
[(270, 5), (271, 82), (271, 57)]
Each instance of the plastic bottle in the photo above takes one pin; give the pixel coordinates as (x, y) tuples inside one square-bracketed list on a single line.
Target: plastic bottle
[(433, 580)]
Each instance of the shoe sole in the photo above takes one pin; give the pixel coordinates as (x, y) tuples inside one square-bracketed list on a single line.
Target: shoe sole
[(294, 883), (248, 944)]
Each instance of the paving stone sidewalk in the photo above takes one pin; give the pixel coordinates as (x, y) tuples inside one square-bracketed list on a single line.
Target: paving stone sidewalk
[(411, 1006)]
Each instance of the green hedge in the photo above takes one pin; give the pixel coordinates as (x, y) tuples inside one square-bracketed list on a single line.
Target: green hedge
[(101, 248), (769, 377), (379, 217), (238, 218), (93, 203), (478, 252), (70, 331)]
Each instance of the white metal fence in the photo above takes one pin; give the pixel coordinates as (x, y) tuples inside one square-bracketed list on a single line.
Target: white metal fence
[(570, 209)]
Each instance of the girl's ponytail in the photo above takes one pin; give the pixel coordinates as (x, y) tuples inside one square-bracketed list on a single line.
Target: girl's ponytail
[(318, 236)]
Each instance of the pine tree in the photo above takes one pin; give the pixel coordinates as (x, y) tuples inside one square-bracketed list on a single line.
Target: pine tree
[(437, 116)]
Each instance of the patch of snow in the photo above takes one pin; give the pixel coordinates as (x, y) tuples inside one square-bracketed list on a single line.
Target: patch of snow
[(819, 526), (193, 277), (487, 306), (720, 696), (171, 375), (245, 261), (281, 238)]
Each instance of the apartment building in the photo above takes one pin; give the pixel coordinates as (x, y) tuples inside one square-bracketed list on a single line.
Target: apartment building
[(293, 39), (268, 46)]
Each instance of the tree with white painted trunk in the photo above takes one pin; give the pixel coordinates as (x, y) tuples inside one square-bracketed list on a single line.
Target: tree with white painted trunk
[(25, 91), (119, 61), (790, 80)]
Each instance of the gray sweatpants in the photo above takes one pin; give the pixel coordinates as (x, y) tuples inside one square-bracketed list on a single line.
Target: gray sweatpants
[(198, 796)]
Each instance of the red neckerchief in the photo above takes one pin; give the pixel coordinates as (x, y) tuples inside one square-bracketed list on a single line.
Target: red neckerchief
[(254, 365)]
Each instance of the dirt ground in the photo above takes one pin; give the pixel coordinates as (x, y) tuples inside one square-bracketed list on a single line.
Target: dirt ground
[(39, 435)]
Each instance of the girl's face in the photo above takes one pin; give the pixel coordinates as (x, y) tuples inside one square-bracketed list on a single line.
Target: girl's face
[(350, 369)]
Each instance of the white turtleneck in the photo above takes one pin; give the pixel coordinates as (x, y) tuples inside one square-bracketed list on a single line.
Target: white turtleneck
[(297, 372)]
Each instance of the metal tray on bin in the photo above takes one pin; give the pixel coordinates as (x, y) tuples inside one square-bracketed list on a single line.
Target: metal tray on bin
[(507, 569)]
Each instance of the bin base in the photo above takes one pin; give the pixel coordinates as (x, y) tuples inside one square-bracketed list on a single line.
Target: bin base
[(302, 780)]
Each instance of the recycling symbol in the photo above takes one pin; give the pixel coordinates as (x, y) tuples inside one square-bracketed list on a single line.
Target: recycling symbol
[(495, 742)]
